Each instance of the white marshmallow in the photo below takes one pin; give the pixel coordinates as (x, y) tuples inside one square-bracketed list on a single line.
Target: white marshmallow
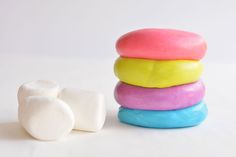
[(36, 88), (47, 118), (88, 108)]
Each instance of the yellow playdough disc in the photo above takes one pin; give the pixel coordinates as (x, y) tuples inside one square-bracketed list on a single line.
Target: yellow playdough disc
[(156, 73)]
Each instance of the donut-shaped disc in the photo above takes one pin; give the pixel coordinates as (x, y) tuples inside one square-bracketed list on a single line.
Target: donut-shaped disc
[(186, 117), (171, 98), (157, 74), (161, 44)]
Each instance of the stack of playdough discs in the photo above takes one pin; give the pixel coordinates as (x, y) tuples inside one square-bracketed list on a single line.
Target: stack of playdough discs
[(159, 72)]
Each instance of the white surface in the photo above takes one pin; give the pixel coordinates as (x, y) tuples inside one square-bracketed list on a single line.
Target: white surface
[(215, 137), (90, 28), (88, 107)]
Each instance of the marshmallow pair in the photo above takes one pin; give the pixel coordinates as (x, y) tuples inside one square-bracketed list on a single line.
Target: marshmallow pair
[(49, 113)]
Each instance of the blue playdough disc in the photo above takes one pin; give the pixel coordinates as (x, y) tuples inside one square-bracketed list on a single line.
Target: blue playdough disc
[(186, 117)]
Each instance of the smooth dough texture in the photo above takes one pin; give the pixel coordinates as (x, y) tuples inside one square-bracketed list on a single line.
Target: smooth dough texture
[(47, 118), (157, 74), (186, 117), (171, 98), (161, 44), (88, 107)]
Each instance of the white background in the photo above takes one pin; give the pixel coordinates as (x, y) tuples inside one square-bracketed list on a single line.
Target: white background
[(72, 42), (89, 28)]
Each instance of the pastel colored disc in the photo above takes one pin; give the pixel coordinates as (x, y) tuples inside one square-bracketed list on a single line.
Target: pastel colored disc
[(161, 44), (186, 117), (171, 98), (157, 74)]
